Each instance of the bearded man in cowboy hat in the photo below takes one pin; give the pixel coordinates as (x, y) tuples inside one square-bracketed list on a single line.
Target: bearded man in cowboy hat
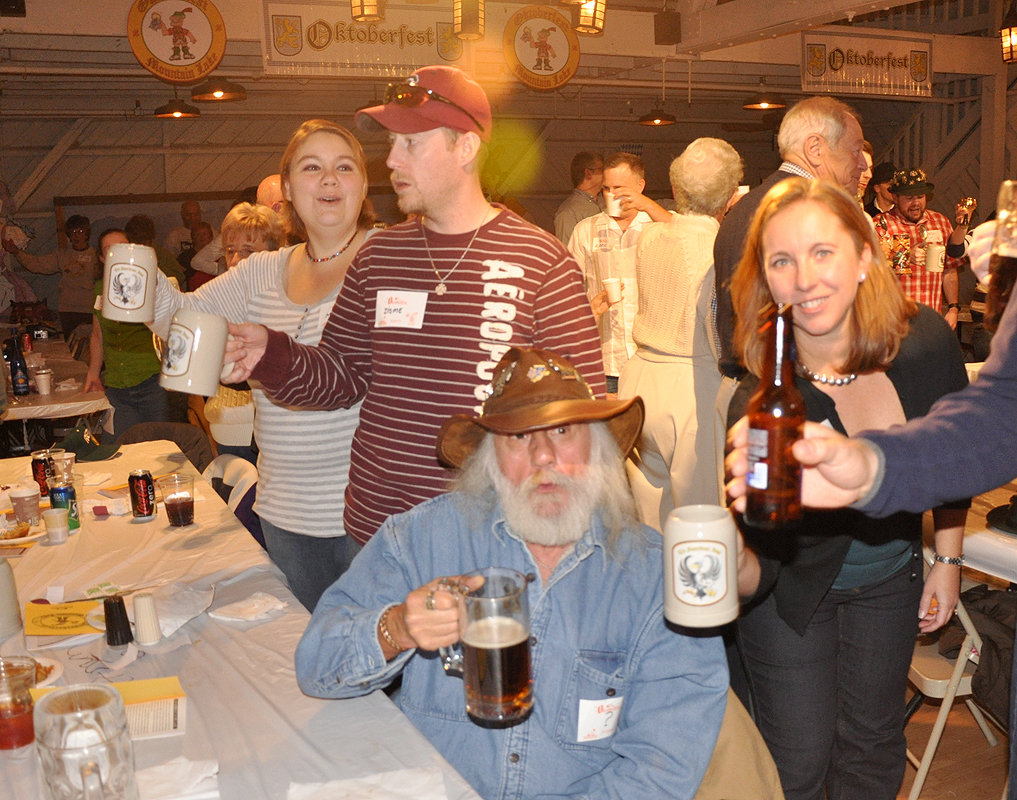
[(541, 490), (928, 283)]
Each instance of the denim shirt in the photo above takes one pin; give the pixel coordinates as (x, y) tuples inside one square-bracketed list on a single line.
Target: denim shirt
[(598, 634)]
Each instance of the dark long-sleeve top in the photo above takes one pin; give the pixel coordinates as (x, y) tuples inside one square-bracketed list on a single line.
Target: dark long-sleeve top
[(800, 567), (967, 443), (727, 252)]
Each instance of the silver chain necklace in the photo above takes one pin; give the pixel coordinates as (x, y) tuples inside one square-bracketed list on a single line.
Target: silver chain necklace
[(441, 288), (307, 249), (805, 372)]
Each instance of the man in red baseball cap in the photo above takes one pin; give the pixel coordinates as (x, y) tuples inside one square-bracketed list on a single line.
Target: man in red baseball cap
[(432, 97), (428, 307)]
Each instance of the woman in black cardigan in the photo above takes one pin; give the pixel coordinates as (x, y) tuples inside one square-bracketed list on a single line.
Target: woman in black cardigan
[(828, 633)]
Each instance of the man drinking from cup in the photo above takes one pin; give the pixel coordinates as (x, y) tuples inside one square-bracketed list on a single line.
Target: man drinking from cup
[(622, 706)]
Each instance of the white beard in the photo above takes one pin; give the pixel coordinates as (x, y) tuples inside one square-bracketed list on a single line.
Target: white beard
[(536, 520)]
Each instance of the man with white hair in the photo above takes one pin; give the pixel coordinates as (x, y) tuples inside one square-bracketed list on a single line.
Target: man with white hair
[(820, 137), (624, 707), (674, 368)]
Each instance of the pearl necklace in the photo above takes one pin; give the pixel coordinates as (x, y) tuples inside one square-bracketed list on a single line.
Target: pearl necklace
[(805, 372), (307, 249)]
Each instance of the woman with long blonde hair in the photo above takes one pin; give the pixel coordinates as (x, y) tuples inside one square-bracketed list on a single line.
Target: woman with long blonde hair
[(828, 633)]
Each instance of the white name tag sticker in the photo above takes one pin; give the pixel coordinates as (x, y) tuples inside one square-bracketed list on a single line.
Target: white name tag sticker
[(935, 237), (598, 719), (397, 309)]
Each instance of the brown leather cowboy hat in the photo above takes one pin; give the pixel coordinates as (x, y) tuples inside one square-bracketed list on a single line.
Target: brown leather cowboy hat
[(533, 390)]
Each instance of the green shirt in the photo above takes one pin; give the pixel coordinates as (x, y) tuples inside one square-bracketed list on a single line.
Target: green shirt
[(127, 350)]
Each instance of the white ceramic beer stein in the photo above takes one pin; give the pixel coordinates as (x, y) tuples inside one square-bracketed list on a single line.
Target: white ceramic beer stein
[(700, 566)]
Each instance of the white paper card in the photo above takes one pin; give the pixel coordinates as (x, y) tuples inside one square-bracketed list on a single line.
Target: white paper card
[(398, 309), (598, 719)]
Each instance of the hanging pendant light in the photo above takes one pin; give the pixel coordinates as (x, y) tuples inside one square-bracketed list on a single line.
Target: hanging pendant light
[(764, 100), (177, 109), (366, 10), (218, 90), (468, 19), (1008, 35), (589, 17), (658, 117)]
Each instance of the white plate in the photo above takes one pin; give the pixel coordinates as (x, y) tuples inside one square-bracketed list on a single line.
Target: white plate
[(22, 540), (54, 676), (97, 618)]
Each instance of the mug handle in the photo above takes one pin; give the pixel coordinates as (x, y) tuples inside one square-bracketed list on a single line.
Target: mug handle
[(451, 661), (91, 781)]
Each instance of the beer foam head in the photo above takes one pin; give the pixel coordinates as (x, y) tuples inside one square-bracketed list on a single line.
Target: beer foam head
[(492, 632)]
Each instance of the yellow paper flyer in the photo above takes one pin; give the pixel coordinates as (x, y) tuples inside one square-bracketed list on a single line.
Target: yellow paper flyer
[(58, 619)]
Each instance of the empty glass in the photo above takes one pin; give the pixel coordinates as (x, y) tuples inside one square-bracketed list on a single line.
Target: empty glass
[(84, 746)]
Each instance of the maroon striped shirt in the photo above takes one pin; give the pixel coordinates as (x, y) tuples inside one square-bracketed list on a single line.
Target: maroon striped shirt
[(516, 287)]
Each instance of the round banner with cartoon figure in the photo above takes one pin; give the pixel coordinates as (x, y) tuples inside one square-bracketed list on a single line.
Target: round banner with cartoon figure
[(176, 40), (541, 49)]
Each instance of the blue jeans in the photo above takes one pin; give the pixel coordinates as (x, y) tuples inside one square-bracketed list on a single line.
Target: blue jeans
[(247, 452), (146, 402), (830, 704), (310, 563)]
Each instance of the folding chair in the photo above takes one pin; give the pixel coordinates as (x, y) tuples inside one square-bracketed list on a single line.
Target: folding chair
[(934, 675)]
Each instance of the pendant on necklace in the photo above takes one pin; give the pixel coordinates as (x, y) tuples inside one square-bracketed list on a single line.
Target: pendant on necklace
[(440, 289)]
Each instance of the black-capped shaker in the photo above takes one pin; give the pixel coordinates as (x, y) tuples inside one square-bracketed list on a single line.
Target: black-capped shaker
[(118, 627)]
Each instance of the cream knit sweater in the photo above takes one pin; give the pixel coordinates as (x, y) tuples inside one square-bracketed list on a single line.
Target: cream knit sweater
[(674, 272)]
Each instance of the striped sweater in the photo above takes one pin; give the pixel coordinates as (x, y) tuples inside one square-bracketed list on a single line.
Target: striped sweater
[(303, 463), (516, 286)]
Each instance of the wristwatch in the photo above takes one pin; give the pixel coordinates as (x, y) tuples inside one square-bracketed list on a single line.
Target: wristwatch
[(953, 305), (957, 561)]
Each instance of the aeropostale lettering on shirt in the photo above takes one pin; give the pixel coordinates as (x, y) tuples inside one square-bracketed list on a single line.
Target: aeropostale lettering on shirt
[(497, 316)]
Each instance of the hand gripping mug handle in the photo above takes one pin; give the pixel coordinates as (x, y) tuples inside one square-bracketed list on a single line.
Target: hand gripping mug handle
[(91, 781)]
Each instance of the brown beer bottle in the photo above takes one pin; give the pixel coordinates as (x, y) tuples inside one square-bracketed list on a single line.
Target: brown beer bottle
[(776, 415)]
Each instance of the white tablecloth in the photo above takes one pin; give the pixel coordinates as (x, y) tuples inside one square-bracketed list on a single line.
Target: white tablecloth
[(56, 405), (244, 707), (985, 549)]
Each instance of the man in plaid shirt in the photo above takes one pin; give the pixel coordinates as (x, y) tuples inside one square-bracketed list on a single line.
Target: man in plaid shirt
[(923, 227)]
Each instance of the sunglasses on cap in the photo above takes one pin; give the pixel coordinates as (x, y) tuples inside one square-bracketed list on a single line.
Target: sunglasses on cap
[(411, 95)]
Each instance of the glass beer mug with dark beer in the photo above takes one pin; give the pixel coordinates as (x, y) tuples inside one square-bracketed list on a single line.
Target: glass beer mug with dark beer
[(494, 662)]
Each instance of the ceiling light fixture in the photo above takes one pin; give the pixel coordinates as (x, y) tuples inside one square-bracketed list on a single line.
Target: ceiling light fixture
[(764, 100), (366, 10), (468, 19), (177, 109), (588, 18), (218, 90), (658, 117), (1008, 35)]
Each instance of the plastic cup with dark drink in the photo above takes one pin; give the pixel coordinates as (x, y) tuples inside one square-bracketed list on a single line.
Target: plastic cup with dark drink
[(494, 661), (178, 497)]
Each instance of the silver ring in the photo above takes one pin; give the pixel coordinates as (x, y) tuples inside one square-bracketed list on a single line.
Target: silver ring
[(429, 601)]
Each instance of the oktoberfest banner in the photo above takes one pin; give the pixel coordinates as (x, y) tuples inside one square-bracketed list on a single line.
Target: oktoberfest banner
[(323, 39), (848, 63)]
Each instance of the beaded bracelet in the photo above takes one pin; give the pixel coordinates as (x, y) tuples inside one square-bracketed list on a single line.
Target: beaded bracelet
[(957, 561), (383, 627)]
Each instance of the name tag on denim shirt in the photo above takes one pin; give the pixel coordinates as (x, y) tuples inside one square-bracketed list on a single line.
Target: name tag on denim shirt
[(598, 719), (395, 309)]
